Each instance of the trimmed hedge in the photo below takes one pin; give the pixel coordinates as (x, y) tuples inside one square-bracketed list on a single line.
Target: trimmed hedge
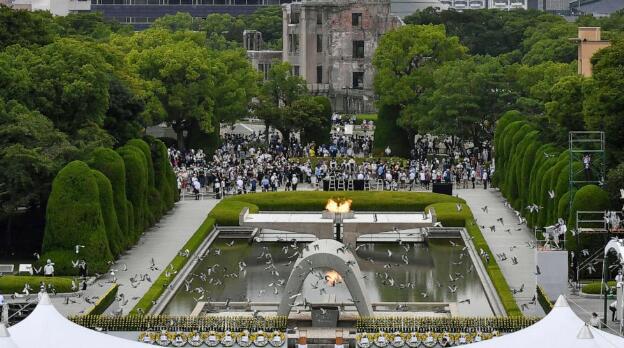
[(107, 205), (116, 240), (10, 284), (594, 288), (159, 286), (587, 198), (162, 169), (154, 205), (104, 302), (136, 186), (448, 215), (109, 163), (544, 301), (74, 216)]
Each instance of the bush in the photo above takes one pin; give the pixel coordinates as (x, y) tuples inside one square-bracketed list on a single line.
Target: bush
[(116, 241), (109, 163), (587, 198), (159, 286), (10, 284), (136, 186), (594, 288), (74, 217)]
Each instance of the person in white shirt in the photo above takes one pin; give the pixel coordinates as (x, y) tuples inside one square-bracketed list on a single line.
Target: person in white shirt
[(619, 277), (294, 182), (48, 269)]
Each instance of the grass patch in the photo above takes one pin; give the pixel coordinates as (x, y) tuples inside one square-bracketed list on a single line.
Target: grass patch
[(448, 215), (158, 287), (10, 284), (367, 117), (593, 288), (104, 302), (227, 211)]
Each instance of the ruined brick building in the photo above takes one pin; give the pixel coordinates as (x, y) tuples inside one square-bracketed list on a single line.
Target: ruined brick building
[(330, 43)]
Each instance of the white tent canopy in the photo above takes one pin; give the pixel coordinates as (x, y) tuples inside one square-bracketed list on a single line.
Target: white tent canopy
[(45, 327), (560, 328)]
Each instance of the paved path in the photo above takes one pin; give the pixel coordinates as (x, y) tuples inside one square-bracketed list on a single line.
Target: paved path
[(503, 242), (162, 242)]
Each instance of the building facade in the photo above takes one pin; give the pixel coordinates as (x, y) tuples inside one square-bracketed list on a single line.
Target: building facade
[(330, 43), (465, 4), (142, 13), (589, 42), (56, 7)]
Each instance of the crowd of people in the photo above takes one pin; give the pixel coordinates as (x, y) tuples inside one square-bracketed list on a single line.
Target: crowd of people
[(246, 163)]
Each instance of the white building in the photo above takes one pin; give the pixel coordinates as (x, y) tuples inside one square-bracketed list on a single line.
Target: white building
[(507, 4), (56, 7)]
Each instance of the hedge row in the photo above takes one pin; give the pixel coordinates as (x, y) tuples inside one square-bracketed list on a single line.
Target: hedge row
[(104, 302), (448, 215), (10, 284), (228, 210), (528, 169), (544, 300), (106, 203)]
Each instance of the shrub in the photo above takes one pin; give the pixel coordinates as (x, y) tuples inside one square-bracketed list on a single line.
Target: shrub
[(10, 284), (116, 241), (74, 217), (109, 163), (136, 186), (587, 198)]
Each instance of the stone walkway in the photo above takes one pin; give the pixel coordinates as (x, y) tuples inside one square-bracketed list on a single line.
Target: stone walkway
[(162, 242), (512, 244)]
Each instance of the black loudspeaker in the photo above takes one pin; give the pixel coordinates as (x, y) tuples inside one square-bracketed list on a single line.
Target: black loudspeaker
[(442, 187)]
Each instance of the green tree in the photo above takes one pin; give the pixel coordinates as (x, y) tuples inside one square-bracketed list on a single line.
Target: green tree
[(25, 27), (464, 101), (277, 93), (565, 108), (405, 60), (182, 77), (604, 103), (116, 242), (180, 21), (136, 187), (74, 217), (32, 151)]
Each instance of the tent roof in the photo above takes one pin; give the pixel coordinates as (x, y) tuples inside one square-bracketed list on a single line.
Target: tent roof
[(560, 328), (45, 327), (5, 338)]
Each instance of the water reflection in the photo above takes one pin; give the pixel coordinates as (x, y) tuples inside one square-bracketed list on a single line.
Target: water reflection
[(426, 277)]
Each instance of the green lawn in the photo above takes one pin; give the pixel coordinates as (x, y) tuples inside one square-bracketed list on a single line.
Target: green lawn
[(594, 287), (10, 284), (367, 117)]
